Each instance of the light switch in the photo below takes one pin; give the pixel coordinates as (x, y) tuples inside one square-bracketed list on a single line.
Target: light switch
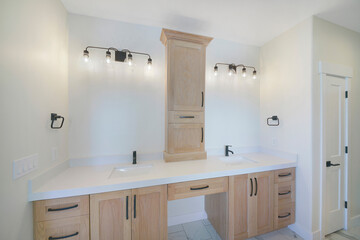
[(25, 165)]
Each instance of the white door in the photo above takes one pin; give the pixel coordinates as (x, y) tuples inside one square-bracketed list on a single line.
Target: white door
[(334, 151)]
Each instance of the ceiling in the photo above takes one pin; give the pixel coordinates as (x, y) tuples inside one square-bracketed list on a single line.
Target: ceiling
[(252, 22)]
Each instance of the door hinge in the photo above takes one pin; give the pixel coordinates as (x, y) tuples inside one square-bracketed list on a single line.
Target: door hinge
[(345, 204), (346, 94), (346, 149)]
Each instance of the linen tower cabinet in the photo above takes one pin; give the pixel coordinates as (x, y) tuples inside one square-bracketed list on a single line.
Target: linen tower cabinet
[(185, 95)]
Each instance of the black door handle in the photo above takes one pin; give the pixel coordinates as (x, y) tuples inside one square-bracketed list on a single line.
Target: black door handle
[(202, 135), (127, 207), (251, 184), (329, 164), (134, 206), (202, 99)]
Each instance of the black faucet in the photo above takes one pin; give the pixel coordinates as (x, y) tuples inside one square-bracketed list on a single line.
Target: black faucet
[(134, 157), (227, 150)]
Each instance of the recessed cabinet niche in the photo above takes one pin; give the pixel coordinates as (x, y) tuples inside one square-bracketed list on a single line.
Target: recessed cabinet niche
[(185, 95)]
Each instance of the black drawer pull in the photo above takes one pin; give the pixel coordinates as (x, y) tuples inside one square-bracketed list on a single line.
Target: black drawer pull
[(127, 207), (256, 187), (62, 209), (284, 175), (202, 135), (199, 188), (186, 116), (202, 99), (285, 193), (63, 237), (251, 183), (284, 216), (134, 206)]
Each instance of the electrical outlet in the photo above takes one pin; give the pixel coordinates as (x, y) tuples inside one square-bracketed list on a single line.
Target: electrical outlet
[(54, 154), (25, 165)]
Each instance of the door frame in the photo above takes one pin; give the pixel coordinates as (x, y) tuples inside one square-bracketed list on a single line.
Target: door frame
[(345, 72)]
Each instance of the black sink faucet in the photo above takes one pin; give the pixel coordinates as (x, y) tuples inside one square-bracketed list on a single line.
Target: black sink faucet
[(134, 157), (227, 150)]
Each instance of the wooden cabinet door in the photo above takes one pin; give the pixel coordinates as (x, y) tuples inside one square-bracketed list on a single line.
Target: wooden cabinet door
[(110, 216), (186, 76), (149, 213), (261, 203), (238, 207), (183, 138)]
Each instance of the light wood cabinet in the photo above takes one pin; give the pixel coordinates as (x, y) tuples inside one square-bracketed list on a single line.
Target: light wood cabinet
[(149, 213), (110, 215), (260, 203), (62, 218), (185, 95), (185, 138), (131, 214)]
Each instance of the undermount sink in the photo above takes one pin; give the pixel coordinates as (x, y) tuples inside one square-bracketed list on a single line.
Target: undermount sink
[(237, 160), (129, 171)]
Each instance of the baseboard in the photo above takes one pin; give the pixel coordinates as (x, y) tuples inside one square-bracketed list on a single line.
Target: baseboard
[(354, 222), (303, 233), (175, 220)]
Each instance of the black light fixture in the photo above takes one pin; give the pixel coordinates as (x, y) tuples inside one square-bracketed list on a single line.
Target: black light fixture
[(233, 69), (120, 55)]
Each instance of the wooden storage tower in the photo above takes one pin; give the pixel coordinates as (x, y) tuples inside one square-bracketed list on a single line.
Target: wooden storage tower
[(185, 95)]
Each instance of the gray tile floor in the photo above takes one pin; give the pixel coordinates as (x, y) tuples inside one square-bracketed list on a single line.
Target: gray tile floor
[(203, 230), (352, 234)]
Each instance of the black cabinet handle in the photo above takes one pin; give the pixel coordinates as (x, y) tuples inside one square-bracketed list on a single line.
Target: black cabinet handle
[(202, 135), (134, 206), (256, 187), (62, 209), (199, 188), (284, 216), (251, 184), (285, 175), (186, 116), (285, 193), (202, 99), (63, 237), (127, 207)]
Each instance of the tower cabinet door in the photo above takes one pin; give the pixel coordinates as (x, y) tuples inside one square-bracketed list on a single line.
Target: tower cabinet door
[(186, 76), (183, 138), (261, 203), (110, 216), (149, 213)]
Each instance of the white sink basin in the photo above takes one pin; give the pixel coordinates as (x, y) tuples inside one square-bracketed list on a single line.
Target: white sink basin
[(129, 171), (236, 159)]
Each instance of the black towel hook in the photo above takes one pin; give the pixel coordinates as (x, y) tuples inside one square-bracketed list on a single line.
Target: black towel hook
[(55, 117)]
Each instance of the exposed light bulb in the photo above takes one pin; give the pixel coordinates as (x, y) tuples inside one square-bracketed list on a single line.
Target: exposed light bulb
[(216, 69), (130, 59), (254, 74), (149, 63), (230, 72), (243, 72), (108, 56), (232, 69), (86, 55)]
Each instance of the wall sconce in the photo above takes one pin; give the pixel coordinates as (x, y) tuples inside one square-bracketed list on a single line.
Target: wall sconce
[(233, 69), (120, 55)]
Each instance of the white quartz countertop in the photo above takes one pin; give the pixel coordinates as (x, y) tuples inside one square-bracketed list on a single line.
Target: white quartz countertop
[(75, 181)]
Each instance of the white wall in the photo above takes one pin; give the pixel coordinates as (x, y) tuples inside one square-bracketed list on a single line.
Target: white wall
[(285, 91), (337, 45), (33, 83), (115, 109)]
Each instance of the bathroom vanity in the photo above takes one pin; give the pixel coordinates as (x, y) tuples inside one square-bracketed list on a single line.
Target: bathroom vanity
[(244, 197)]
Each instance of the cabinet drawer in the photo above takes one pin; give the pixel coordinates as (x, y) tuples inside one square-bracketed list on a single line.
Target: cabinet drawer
[(185, 117), (197, 188), (284, 193), (74, 228), (61, 208), (183, 138), (284, 215), (284, 175)]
